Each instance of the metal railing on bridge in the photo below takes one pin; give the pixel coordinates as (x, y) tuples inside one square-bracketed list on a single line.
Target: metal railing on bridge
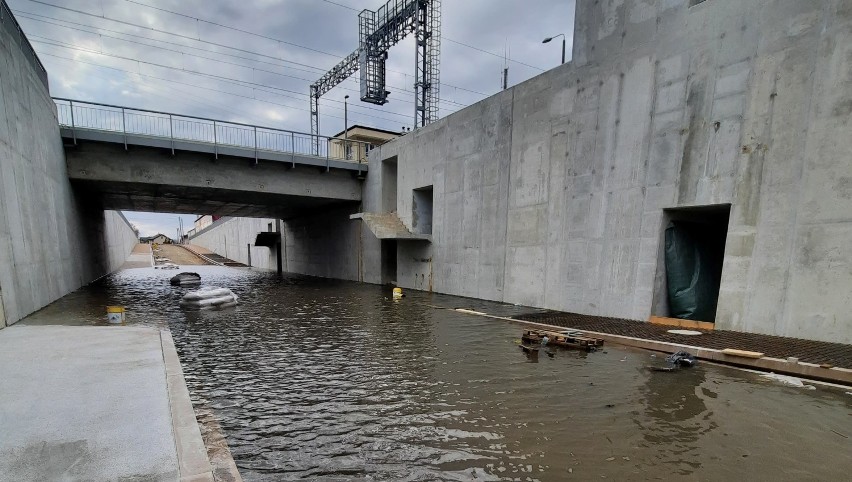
[(79, 115)]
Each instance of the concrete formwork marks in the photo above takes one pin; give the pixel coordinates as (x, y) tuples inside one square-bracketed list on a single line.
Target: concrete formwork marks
[(51, 237), (664, 105)]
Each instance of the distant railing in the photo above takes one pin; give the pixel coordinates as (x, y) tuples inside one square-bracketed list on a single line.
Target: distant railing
[(7, 20), (78, 115)]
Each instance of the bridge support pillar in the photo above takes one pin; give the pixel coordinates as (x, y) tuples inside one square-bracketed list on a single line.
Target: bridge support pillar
[(279, 265)]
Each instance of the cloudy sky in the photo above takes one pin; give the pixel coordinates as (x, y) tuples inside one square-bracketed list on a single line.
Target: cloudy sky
[(252, 61)]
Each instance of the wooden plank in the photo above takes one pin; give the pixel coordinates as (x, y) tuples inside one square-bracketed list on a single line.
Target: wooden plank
[(697, 325), (742, 353)]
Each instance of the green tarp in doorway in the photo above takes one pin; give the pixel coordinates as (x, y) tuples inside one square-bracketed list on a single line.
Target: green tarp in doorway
[(693, 254)]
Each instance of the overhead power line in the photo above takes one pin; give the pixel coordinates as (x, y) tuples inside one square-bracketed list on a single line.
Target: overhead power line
[(41, 18), (274, 39), (195, 39), (188, 37), (57, 43), (196, 86), (65, 44), (31, 16), (342, 5), (237, 82)]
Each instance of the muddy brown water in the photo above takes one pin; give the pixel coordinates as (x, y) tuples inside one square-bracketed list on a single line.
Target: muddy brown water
[(325, 380)]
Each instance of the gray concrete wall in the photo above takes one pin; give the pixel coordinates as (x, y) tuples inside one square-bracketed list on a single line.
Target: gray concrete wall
[(324, 244), (52, 239), (119, 239), (552, 193), (231, 238)]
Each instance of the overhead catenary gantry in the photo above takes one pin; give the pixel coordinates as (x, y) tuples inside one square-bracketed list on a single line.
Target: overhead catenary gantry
[(378, 32)]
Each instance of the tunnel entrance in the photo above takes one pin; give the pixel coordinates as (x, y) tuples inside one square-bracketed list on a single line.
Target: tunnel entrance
[(689, 265), (388, 261)]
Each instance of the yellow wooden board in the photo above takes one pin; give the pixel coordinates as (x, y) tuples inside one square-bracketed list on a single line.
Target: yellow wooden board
[(697, 325), (742, 353)]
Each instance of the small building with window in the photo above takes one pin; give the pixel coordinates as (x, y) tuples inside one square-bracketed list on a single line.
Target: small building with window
[(363, 140), (158, 238)]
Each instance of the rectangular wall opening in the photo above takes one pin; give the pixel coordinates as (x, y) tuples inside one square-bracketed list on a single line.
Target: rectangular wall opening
[(388, 261), (421, 210), (389, 176), (689, 262)]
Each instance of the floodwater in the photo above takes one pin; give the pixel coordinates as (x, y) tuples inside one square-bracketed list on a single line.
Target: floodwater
[(324, 380)]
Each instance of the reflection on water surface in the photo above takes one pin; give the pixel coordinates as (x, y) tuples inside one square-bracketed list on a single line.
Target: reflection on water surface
[(332, 380)]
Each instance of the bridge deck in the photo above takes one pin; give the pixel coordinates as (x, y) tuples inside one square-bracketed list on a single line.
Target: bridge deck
[(139, 127), (131, 140)]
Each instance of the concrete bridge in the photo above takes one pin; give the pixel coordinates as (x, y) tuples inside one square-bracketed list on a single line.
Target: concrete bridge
[(142, 160)]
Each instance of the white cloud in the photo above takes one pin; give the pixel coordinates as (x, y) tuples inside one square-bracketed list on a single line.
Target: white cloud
[(281, 100)]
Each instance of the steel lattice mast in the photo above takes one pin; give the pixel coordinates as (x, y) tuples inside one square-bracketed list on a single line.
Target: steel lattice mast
[(378, 32)]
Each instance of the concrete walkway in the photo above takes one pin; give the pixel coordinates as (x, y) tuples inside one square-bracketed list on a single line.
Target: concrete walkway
[(96, 403), (140, 257)]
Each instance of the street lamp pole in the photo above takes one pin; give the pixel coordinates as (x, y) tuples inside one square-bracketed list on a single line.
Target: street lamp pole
[(548, 39), (346, 127)]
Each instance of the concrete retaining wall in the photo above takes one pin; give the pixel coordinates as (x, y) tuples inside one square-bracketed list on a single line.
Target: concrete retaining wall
[(324, 244), (552, 193), (119, 239), (233, 238), (52, 239)]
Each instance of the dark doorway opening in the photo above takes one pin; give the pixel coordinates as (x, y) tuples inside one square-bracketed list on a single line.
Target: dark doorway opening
[(689, 267), (421, 210), (389, 261), (389, 177)]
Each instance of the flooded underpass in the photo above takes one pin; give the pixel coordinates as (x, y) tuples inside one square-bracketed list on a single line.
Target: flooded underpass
[(317, 379)]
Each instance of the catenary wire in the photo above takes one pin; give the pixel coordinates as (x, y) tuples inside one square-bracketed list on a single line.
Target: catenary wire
[(187, 37)]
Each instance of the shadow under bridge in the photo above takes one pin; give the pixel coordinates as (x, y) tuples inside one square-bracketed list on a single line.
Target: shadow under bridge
[(142, 160)]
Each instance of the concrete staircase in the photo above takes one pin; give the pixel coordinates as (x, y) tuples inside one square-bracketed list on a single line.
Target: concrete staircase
[(388, 226), (213, 258)]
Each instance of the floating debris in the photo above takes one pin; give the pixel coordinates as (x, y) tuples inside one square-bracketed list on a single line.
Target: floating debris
[(674, 362), (685, 332), (566, 339), (788, 380), (681, 358), (529, 349)]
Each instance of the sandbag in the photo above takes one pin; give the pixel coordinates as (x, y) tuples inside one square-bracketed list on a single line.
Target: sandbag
[(209, 298), (209, 301), (205, 293), (222, 306), (185, 278)]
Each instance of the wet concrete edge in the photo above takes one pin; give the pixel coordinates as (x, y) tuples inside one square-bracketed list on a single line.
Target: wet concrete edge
[(192, 454), (811, 371)]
